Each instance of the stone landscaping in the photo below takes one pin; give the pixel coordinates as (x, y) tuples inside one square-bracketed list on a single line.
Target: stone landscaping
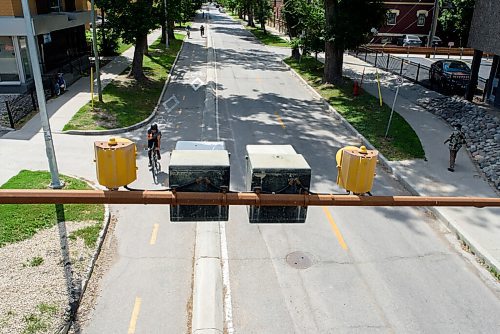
[(481, 128)]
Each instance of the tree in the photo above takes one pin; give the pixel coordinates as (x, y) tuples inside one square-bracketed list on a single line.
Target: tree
[(293, 17), (456, 19), (263, 11), (134, 20), (348, 23)]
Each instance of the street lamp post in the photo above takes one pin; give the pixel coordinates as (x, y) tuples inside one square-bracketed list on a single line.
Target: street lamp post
[(40, 95), (96, 53)]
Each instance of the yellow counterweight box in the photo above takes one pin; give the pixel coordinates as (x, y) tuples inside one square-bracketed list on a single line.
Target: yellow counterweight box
[(356, 168), (115, 162)]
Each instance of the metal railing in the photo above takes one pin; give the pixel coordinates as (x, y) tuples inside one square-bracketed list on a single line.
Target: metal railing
[(405, 68)]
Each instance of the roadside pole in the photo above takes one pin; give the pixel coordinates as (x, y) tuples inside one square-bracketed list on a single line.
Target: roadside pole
[(96, 53), (40, 95), (435, 16), (400, 82)]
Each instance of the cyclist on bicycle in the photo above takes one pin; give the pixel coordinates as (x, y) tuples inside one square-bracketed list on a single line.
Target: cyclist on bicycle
[(154, 137)]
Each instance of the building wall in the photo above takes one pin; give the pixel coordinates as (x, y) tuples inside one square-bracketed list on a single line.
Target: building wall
[(485, 29), (406, 20), (14, 7)]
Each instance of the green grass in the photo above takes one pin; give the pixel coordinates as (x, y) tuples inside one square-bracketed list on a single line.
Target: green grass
[(364, 113), (88, 234), (265, 37), (35, 262), (38, 322), (21, 221), (128, 102), (122, 46)]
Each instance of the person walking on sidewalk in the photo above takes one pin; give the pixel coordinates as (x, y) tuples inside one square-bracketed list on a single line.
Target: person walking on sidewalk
[(456, 140), (202, 30)]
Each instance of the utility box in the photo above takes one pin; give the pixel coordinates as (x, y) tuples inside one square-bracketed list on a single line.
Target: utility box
[(202, 168), (277, 169), (115, 162), (356, 169)]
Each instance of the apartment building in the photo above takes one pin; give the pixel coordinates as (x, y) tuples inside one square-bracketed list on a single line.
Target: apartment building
[(59, 26)]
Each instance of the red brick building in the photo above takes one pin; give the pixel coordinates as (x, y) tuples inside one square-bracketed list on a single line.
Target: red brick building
[(413, 17)]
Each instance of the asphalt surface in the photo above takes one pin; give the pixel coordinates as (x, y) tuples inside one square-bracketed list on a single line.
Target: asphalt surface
[(370, 269)]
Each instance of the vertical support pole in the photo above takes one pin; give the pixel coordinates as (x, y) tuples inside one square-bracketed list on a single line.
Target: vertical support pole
[(401, 69), (388, 58), (376, 57), (418, 72), (37, 76), (379, 90), (96, 53), (92, 86)]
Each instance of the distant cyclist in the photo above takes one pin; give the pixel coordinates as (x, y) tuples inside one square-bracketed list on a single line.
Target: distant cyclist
[(154, 138), (188, 31), (202, 30)]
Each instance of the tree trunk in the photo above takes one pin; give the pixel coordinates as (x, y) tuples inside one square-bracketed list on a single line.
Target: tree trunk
[(263, 25), (334, 53), (296, 53), (251, 23), (162, 40), (136, 71), (334, 58), (171, 27)]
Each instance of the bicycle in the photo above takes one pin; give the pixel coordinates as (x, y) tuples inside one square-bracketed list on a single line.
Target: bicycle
[(155, 164)]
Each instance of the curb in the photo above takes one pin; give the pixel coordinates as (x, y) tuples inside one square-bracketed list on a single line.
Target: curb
[(207, 290), (137, 125), (477, 250)]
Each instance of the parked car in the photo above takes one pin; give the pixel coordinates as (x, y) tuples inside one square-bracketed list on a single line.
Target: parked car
[(411, 40), (450, 75), (436, 41)]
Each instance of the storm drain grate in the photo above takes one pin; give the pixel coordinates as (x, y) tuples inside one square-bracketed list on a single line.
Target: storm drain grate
[(299, 260)]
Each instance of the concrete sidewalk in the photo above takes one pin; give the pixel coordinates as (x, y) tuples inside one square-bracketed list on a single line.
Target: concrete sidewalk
[(65, 106)]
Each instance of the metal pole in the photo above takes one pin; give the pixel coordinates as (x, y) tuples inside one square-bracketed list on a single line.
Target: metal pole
[(96, 53), (40, 94), (31, 196), (167, 41), (435, 16), (392, 112)]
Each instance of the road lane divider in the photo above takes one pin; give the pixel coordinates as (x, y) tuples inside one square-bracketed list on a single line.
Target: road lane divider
[(154, 234), (335, 229), (135, 315), (280, 120)]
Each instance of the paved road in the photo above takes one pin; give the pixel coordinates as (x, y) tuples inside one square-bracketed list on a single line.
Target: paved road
[(373, 269)]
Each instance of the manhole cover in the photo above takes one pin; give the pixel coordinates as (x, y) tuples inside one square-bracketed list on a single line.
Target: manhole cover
[(299, 260)]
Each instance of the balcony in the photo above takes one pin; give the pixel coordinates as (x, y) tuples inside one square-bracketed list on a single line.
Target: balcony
[(47, 23)]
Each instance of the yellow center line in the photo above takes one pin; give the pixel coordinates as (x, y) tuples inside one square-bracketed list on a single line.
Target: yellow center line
[(135, 315), (280, 120), (335, 228), (154, 234)]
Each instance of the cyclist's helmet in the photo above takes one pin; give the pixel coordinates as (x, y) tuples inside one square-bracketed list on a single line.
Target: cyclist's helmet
[(154, 127)]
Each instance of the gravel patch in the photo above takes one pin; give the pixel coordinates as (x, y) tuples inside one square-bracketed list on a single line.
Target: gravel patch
[(33, 287)]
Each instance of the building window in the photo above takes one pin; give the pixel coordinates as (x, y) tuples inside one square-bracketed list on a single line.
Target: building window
[(421, 15), (8, 61), (391, 18)]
